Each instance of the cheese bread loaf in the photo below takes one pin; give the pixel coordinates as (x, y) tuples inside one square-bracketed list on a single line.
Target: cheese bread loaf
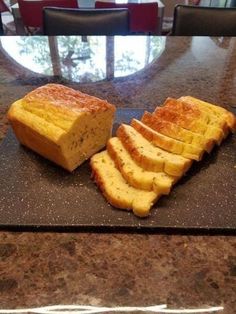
[(62, 124)]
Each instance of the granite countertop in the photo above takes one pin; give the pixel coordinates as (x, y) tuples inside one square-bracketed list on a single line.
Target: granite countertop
[(118, 268)]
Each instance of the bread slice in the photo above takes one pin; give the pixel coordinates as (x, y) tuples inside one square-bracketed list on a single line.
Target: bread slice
[(189, 123), (175, 131), (167, 143), (216, 110), (116, 190), (197, 113), (136, 176), (62, 124), (148, 156)]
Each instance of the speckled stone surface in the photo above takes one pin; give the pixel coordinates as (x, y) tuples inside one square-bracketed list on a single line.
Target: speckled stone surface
[(42, 268)]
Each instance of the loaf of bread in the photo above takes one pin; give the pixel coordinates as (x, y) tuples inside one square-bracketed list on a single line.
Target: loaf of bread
[(62, 124), (151, 155)]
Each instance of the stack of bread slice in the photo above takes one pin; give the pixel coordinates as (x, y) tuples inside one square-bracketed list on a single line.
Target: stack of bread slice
[(147, 157)]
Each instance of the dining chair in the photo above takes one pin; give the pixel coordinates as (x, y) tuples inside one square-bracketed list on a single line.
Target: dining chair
[(3, 8), (1, 26), (143, 16), (32, 11), (204, 21), (61, 21), (7, 21)]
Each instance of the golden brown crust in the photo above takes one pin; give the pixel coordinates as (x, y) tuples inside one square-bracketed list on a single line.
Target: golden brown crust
[(176, 132), (204, 115), (163, 126), (194, 125), (66, 98), (182, 108), (169, 115), (197, 113), (174, 117), (219, 111)]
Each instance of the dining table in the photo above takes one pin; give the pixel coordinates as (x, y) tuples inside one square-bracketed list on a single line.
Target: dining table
[(81, 255)]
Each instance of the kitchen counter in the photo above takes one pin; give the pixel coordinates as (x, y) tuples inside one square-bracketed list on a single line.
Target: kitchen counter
[(118, 268)]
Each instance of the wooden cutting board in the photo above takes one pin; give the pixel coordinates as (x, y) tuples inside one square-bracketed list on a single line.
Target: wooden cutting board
[(36, 194)]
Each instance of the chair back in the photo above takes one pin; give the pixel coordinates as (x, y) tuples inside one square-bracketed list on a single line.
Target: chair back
[(1, 26), (204, 21), (58, 21), (143, 16), (32, 11), (4, 7)]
